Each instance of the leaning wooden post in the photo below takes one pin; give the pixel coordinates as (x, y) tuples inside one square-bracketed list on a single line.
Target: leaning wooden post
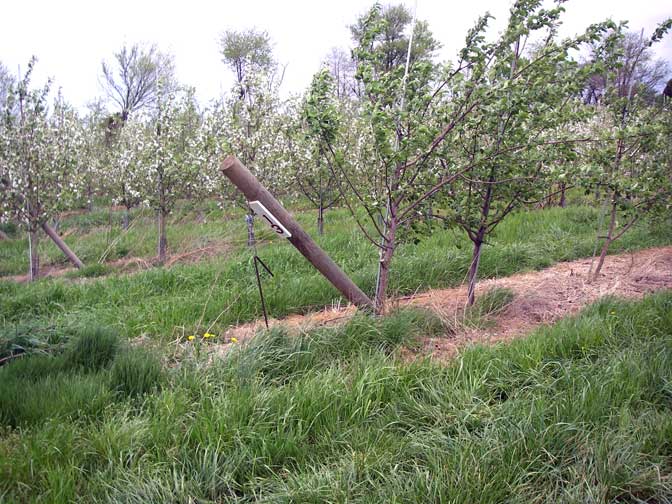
[(254, 191), (62, 245), (54, 236)]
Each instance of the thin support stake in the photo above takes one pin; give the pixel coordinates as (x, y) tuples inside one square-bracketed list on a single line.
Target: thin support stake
[(257, 261)]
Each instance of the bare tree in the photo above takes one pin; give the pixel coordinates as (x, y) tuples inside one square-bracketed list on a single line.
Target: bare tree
[(636, 66), (342, 68), (132, 80)]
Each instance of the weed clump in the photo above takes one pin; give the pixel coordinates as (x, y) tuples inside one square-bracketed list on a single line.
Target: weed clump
[(69, 383), (27, 337), (136, 372), (491, 302), (92, 349), (80, 381), (9, 228), (279, 357), (91, 271)]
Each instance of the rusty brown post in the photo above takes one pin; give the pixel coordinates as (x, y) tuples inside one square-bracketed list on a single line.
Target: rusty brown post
[(62, 245), (253, 190)]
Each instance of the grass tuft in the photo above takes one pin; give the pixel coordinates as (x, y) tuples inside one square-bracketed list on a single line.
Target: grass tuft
[(136, 372), (278, 357), (92, 349), (492, 302), (91, 271), (37, 388)]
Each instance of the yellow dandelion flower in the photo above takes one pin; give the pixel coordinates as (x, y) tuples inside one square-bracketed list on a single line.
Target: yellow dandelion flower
[(191, 337), (613, 313), (234, 340), (208, 335)]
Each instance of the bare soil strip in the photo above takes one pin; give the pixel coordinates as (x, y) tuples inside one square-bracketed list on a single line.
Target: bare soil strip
[(540, 297), (131, 265)]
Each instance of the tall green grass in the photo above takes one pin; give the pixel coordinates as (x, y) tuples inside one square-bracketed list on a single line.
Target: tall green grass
[(39, 386), (136, 372), (577, 412), (77, 379), (170, 303)]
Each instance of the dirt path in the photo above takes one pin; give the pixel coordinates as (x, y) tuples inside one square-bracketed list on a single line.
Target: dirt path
[(131, 265), (540, 297)]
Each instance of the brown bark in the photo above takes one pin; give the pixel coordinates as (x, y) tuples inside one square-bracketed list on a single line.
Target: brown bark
[(33, 257), (478, 240), (320, 219), (89, 198), (473, 272), (607, 240), (603, 255), (126, 220), (563, 199), (72, 257), (384, 269), (163, 242)]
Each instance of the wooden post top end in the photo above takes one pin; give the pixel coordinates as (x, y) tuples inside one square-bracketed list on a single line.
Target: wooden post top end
[(229, 162)]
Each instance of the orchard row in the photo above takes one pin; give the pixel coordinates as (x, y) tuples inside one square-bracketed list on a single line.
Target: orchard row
[(400, 139)]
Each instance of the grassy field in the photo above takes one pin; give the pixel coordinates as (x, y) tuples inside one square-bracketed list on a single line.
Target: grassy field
[(578, 412), (169, 303)]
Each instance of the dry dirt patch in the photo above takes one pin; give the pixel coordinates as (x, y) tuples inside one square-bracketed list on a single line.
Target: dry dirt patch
[(540, 297), (129, 265)]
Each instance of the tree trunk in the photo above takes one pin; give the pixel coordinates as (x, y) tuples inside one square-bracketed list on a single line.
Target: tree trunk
[(473, 271), (3, 235), (384, 267), (563, 199), (126, 220), (63, 246), (34, 258), (108, 235), (249, 220), (320, 220), (89, 198), (478, 240), (163, 242), (603, 255), (607, 240)]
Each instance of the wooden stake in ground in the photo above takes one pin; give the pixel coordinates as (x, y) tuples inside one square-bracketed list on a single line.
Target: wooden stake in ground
[(62, 245), (32, 243), (253, 190)]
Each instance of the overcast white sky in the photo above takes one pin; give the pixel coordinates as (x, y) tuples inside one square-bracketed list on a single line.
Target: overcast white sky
[(70, 38)]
